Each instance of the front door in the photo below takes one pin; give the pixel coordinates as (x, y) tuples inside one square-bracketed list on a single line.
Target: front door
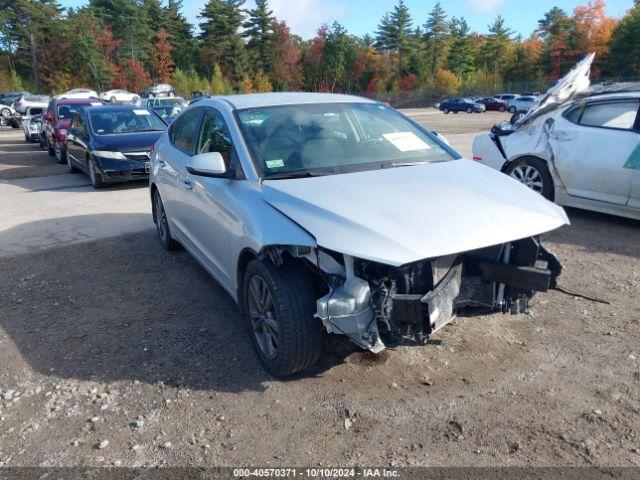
[(591, 147), (210, 200)]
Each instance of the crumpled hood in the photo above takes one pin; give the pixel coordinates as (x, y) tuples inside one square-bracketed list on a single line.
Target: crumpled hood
[(574, 83), (400, 215)]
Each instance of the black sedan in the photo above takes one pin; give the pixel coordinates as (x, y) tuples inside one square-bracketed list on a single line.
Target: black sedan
[(112, 143), (456, 105)]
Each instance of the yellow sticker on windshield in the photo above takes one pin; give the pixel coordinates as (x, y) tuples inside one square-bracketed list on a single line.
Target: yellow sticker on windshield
[(406, 141), (275, 163)]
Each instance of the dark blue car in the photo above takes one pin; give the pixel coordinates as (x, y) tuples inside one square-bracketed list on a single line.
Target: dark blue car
[(112, 143), (456, 105)]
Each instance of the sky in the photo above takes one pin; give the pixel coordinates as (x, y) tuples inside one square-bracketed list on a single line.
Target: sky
[(362, 16)]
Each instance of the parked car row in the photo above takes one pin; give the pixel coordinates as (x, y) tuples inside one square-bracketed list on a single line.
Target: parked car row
[(109, 141), (502, 102)]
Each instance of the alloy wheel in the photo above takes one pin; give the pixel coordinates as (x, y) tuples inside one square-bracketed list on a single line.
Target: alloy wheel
[(263, 318), (161, 219), (529, 176)]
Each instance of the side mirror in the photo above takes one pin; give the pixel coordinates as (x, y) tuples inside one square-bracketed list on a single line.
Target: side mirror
[(48, 117), (209, 164)]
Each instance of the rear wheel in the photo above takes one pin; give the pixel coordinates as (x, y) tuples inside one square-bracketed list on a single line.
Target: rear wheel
[(279, 303), (60, 153), (501, 108), (71, 168), (533, 173), (162, 224), (445, 110)]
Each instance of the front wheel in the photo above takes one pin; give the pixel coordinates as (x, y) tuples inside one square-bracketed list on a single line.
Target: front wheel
[(446, 111), (279, 303), (94, 175), (533, 173), (469, 110)]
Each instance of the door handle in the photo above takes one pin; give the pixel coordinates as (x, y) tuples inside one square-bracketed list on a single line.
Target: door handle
[(186, 183)]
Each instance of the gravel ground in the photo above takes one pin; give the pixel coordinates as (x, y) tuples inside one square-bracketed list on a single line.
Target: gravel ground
[(114, 352)]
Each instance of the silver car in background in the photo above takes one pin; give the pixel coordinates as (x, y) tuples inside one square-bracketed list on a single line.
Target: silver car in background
[(331, 213)]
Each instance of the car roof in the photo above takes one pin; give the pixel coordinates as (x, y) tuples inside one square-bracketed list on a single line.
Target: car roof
[(113, 108), (74, 101), (614, 96), (250, 100)]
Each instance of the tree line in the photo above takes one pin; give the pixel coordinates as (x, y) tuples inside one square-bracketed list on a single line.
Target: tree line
[(134, 43)]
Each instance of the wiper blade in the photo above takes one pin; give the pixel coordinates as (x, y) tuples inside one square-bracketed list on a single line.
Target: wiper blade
[(400, 164), (304, 174)]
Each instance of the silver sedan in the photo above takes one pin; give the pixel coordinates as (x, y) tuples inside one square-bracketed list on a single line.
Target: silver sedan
[(336, 214)]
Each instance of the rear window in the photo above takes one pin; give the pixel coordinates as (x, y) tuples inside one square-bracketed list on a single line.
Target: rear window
[(68, 111), (113, 122), (183, 130)]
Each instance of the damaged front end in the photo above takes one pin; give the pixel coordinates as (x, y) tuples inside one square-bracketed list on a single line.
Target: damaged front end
[(375, 304)]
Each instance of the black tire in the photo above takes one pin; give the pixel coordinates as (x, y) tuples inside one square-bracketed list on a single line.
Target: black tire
[(60, 154), (299, 333), (445, 110), (528, 170), (5, 112), (501, 108), (71, 168), (162, 224), (94, 175), (512, 109)]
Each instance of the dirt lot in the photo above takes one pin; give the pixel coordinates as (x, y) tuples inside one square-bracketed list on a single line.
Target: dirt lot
[(114, 352)]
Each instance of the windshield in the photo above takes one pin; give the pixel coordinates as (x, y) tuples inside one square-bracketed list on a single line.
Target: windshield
[(334, 138), (110, 122), (68, 111), (168, 111)]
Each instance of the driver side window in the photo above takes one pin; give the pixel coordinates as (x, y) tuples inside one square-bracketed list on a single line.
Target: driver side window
[(215, 137)]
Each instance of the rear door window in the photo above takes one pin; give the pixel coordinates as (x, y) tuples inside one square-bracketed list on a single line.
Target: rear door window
[(183, 130), (619, 115)]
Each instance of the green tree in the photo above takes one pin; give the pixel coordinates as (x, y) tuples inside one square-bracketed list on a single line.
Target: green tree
[(496, 46), (401, 32), (259, 30), (436, 32), (129, 23), (624, 57), (462, 54), (26, 26), (221, 42)]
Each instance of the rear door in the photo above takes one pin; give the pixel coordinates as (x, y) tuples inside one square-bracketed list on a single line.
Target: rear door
[(171, 161), (78, 141), (591, 145)]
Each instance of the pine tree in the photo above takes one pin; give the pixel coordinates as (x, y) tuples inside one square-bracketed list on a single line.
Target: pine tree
[(624, 59), (435, 37), (461, 58), (496, 45), (220, 41), (401, 32), (259, 31)]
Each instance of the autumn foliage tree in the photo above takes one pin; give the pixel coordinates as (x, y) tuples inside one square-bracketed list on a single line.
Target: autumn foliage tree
[(161, 62), (136, 77)]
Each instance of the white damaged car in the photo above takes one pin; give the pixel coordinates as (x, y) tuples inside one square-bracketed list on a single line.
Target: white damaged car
[(579, 147), (332, 213)]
